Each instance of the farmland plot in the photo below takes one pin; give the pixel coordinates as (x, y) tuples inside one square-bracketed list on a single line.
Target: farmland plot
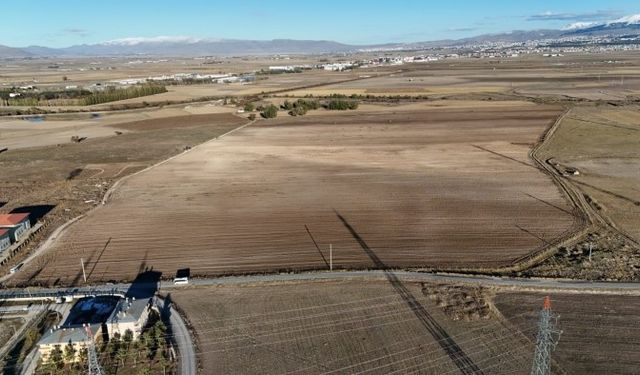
[(437, 188), (344, 327)]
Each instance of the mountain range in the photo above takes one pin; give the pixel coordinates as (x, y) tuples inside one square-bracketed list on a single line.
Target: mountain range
[(188, 46)]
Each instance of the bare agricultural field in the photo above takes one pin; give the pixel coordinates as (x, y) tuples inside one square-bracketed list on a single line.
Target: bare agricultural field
[(58, 182), (436, 188), (599, 332), (576, 76), (602, 143), (348, 327), (53, 129)]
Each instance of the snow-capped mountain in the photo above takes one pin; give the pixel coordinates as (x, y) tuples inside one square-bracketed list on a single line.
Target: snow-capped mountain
[(621, 26)]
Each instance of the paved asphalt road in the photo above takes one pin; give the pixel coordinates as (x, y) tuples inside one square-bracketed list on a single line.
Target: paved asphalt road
[(506, 282), (182, 337)]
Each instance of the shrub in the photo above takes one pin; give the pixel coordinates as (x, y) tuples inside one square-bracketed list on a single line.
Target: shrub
[(270, 111), (341, 105)]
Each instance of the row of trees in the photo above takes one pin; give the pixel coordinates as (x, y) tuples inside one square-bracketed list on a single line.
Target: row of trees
[(299, 107), (341, 104), (112, 95)]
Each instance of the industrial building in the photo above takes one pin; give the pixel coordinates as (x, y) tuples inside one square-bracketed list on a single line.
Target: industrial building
[(129, 315), (5, 239), (74, 336), (17, 224)]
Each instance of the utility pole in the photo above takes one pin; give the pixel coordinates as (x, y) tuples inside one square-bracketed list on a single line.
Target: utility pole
[(84, 275), (92, 356), (590, 251), (330, 257), (548, 336)]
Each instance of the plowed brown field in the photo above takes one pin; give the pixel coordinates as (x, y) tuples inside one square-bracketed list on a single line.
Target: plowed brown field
[(345, 328), (445, 188)]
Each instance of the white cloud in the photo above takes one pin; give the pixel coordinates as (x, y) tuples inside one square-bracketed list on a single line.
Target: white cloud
[(633, 19), (155, 39)]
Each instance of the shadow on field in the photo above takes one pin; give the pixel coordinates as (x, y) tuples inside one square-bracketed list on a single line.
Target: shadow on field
[(316, 245), (455, 352), (504, 156), (35, 212), (550, 204), (145, 285)]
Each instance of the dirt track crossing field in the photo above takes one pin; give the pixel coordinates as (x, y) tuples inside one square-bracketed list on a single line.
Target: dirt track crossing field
[(427, 188)]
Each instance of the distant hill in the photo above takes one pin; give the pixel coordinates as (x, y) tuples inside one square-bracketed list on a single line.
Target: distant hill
[(10, 52), (188, 46)]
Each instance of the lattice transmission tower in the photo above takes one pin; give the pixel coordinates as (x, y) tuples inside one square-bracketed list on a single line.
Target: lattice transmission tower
[(548, 336), (92, 355)]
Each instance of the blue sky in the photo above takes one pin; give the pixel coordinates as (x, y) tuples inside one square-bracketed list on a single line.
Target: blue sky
[(59, 23)]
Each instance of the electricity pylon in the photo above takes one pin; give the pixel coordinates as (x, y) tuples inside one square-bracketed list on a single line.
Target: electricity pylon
[(92, 356), (548, 336)]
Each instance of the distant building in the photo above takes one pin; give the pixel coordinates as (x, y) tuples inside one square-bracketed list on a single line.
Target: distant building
[(572, 171), (61, 337), (5, 239), (129, 315), (284, 68), (16, 224)]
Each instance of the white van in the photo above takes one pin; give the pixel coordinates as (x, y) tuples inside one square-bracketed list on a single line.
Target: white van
[(16, 268), (181, 281)]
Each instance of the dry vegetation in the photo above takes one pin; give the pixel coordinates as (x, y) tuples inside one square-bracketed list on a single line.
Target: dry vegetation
[(460, 302), (343, 327), (440, 188)]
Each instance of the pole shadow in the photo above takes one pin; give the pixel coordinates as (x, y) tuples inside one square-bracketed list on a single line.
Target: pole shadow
[(316, 245), (453, 350)]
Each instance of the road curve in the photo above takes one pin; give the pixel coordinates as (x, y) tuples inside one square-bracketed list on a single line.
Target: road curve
[(182, 337)]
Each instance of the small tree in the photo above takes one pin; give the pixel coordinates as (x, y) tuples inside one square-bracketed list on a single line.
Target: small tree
[(69, 352), (145, 346), (252, 116), (270, 111), (83, 355), (127, 338), (298, 111), (122, 354), (287, 105), (136, 349), (163, 361), (56, 357), (249, 107)]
